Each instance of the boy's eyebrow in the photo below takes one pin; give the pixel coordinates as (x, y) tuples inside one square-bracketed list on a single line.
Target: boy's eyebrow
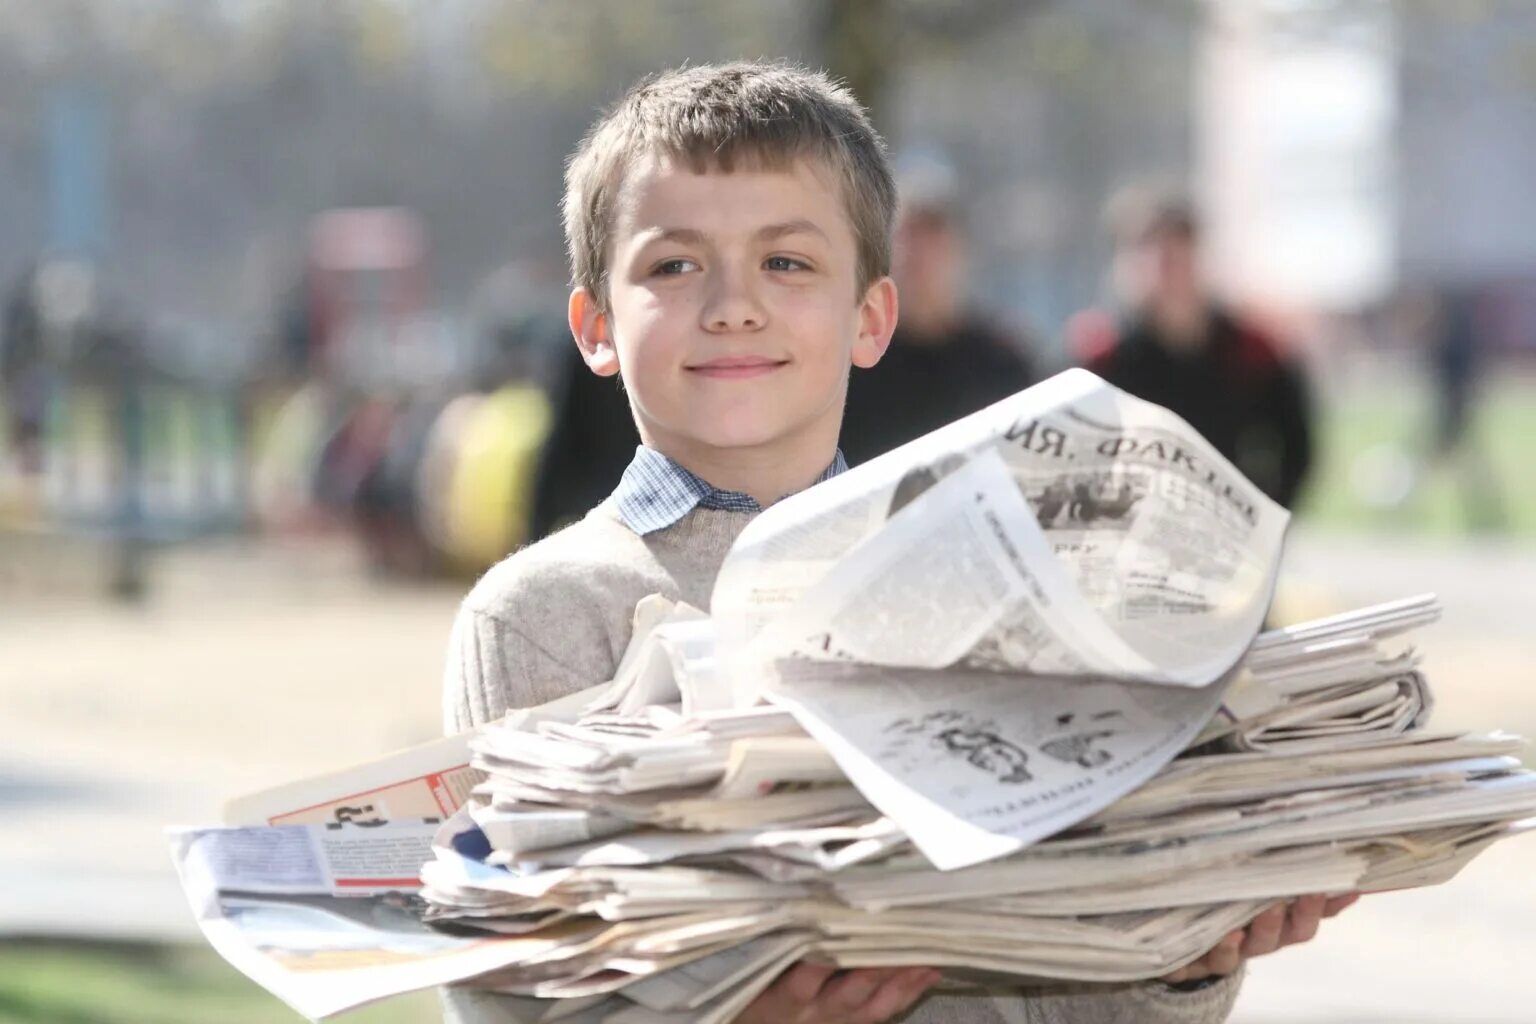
[(692, 236), (791, 227), (684, 236)]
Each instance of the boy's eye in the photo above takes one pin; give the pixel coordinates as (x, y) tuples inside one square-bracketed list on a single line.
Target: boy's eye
[(678, 266), (783, 263)]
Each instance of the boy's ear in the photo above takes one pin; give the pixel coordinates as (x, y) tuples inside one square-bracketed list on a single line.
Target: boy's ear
[(589, 326), (877, 322)]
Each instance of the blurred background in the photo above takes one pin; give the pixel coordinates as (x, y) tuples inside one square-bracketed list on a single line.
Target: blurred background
[(283, 366)]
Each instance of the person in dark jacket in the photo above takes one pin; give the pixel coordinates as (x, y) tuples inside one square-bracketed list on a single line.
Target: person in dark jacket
[(592, 439), (23, 373), (1178, 347), (946, 359)]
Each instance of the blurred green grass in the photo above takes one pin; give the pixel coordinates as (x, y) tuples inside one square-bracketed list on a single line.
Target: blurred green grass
[(96, 983), (1372, 472)]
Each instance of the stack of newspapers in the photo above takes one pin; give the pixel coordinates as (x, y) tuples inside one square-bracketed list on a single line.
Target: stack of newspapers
[(997, 702), (682, 861)]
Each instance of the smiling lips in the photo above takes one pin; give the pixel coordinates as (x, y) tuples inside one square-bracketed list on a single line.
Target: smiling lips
[(737, 367)]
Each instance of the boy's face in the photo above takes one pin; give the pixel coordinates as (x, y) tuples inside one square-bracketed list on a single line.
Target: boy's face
[(733, 311)]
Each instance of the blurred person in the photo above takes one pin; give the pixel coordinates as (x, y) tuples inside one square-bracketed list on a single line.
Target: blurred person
[(1453, 338), (1178, 346), (1453, 349), (729, 230), (947, 358), (590, 432), (384, 507), (591, 441), (23, 373), (54, 322)]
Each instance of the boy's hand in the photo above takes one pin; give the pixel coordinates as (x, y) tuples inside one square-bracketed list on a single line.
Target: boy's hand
[(1284, 924), (813, 994)]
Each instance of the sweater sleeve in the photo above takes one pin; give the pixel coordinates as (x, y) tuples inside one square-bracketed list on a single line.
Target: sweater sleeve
[(1151, 1002), (493, 667)]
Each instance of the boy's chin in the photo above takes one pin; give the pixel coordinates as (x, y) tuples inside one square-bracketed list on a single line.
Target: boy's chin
[(748, 435), (731, 440)]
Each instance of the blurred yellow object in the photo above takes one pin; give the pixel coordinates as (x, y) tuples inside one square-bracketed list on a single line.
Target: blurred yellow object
[(439, 462), (490, 497), (290, 435)]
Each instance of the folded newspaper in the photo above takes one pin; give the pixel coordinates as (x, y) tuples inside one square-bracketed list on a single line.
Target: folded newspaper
[(995, 702)]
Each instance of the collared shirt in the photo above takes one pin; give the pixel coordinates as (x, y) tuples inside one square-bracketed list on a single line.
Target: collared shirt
[(656, 492)]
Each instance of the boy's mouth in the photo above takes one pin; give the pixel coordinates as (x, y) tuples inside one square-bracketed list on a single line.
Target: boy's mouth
[(736, 367)]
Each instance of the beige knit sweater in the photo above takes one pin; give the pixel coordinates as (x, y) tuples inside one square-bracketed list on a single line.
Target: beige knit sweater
[(555, 617)]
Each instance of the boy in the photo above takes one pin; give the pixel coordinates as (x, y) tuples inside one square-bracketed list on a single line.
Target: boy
[(729, 232)]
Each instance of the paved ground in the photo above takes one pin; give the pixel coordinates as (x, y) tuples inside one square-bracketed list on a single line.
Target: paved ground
[(1462, 952), (253, 666), (247, 668)]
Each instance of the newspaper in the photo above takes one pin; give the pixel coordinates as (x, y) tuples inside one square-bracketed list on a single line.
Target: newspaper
[(306, 912), (1309, 685), (1070, 529), (670, 657), (310, 891), (977, 765), (428, 781), (332, 859)]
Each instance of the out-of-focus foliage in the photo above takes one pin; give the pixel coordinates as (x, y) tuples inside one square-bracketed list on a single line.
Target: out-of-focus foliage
[(91, 983)]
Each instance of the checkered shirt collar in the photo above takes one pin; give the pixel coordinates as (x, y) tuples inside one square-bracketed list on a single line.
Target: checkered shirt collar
[(656, 492)]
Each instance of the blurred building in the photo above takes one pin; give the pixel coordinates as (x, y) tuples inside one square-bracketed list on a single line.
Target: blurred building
[(1466, 145), (1352, 152), (1296, 154)]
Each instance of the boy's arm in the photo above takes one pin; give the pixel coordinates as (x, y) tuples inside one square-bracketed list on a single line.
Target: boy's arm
[(1152, 1002), (493, 667)]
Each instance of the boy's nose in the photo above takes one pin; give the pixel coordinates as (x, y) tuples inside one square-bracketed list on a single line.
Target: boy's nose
[(731, 306)]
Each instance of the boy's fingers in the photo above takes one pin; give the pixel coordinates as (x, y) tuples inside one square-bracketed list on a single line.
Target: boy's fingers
[(897, 994), (1200, 968), (1264, 932), (1305, 915), (852, 990), (803, 982), (1337, 903), (1225, 958), (1228, 950), (1279, 926)]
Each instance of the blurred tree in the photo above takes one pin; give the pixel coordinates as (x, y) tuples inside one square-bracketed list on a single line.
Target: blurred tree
[(381, 31), (867, 42), (239, 120), (860, 44)]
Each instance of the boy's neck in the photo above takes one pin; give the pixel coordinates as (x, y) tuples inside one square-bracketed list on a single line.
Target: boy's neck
[(766, 473)]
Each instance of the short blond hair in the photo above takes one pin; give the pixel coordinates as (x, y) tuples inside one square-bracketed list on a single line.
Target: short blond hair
[(716, 117)]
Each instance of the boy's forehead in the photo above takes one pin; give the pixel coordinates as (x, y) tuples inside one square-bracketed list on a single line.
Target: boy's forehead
[(662, 192)]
